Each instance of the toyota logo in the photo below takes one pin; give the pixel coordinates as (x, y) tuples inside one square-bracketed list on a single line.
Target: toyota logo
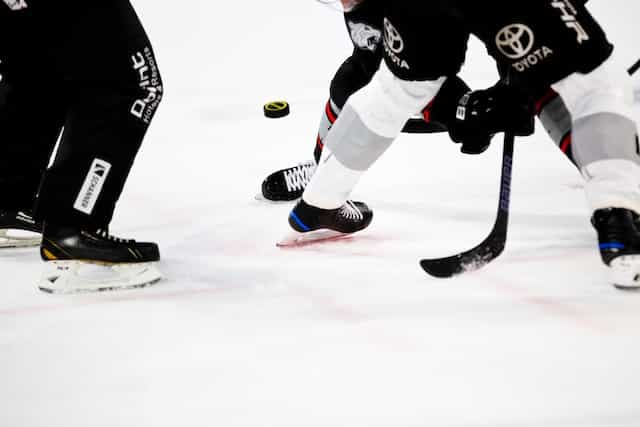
[(392, 37), (515, 41)]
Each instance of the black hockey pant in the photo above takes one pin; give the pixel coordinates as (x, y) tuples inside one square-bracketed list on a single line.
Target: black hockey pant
[(83, 72)]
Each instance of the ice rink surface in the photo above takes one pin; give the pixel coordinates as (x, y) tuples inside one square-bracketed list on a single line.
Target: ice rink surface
[(351, 333)]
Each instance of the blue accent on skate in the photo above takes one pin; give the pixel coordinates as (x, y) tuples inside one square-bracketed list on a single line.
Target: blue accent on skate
[(611, 245), (298, 221)]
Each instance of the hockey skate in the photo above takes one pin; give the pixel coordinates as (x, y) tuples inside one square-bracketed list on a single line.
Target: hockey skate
[(90, 261), (18, 229), (288, 184), (311, 224), (619, 238)]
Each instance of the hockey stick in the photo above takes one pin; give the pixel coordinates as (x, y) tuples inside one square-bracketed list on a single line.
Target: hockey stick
[(494, 244), (634, 68), (491, 247)]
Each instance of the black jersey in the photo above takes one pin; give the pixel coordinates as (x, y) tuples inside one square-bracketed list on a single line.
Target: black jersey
[(539, 42)]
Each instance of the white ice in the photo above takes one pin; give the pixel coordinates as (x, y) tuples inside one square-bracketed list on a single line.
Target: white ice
[(354, 334)]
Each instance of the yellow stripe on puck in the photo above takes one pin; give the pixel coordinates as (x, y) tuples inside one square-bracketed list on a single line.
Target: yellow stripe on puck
[(276, 109)]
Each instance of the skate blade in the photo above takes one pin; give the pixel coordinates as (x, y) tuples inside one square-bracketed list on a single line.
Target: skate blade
[(296, 239), (68, 277), (260, 197), (19, 239), (624, 272)]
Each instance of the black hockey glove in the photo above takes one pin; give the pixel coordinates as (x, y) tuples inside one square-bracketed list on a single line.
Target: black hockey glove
[(442, 110), (481, 114)]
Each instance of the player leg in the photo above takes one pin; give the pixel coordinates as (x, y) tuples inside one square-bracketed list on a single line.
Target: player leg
[(556, 120), (364, 25), (114, 88), (373, 117), (31, 116), (605, 147), (562, 46)]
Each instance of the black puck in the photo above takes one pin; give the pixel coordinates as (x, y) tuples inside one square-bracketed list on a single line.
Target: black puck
[(276, 109)]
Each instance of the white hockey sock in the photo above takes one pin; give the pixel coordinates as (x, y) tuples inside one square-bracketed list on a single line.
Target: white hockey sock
[(613, 183), (331, 184)]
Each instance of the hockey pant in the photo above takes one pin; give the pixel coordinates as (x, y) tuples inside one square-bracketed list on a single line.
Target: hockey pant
[(96, 86)]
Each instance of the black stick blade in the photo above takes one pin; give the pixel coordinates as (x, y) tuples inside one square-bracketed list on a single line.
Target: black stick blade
[(471, 260), (493, 245), (634, 68)]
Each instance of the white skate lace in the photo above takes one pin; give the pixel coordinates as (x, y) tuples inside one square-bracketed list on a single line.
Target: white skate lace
[(105, 235), (350, 211), (25, 217), (298, 177)]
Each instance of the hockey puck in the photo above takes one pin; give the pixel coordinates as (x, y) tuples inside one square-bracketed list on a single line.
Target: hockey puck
[(276, 109)]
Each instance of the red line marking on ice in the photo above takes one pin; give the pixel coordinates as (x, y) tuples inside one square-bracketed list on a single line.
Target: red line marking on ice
[(549, 305), (347, 314)]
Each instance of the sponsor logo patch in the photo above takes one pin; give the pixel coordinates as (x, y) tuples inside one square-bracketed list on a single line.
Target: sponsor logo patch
[(394, 44), (532, 59), (92, 186), (517, 42), (145, 65), (569, 16)]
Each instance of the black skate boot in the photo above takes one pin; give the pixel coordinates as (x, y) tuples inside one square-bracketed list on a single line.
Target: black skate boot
[(288, 184), (19, 229), (312, 224), (619, 238), (95, 261)]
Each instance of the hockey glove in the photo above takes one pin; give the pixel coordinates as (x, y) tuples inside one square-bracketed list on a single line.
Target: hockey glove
[(442, 111), (483, 113)]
